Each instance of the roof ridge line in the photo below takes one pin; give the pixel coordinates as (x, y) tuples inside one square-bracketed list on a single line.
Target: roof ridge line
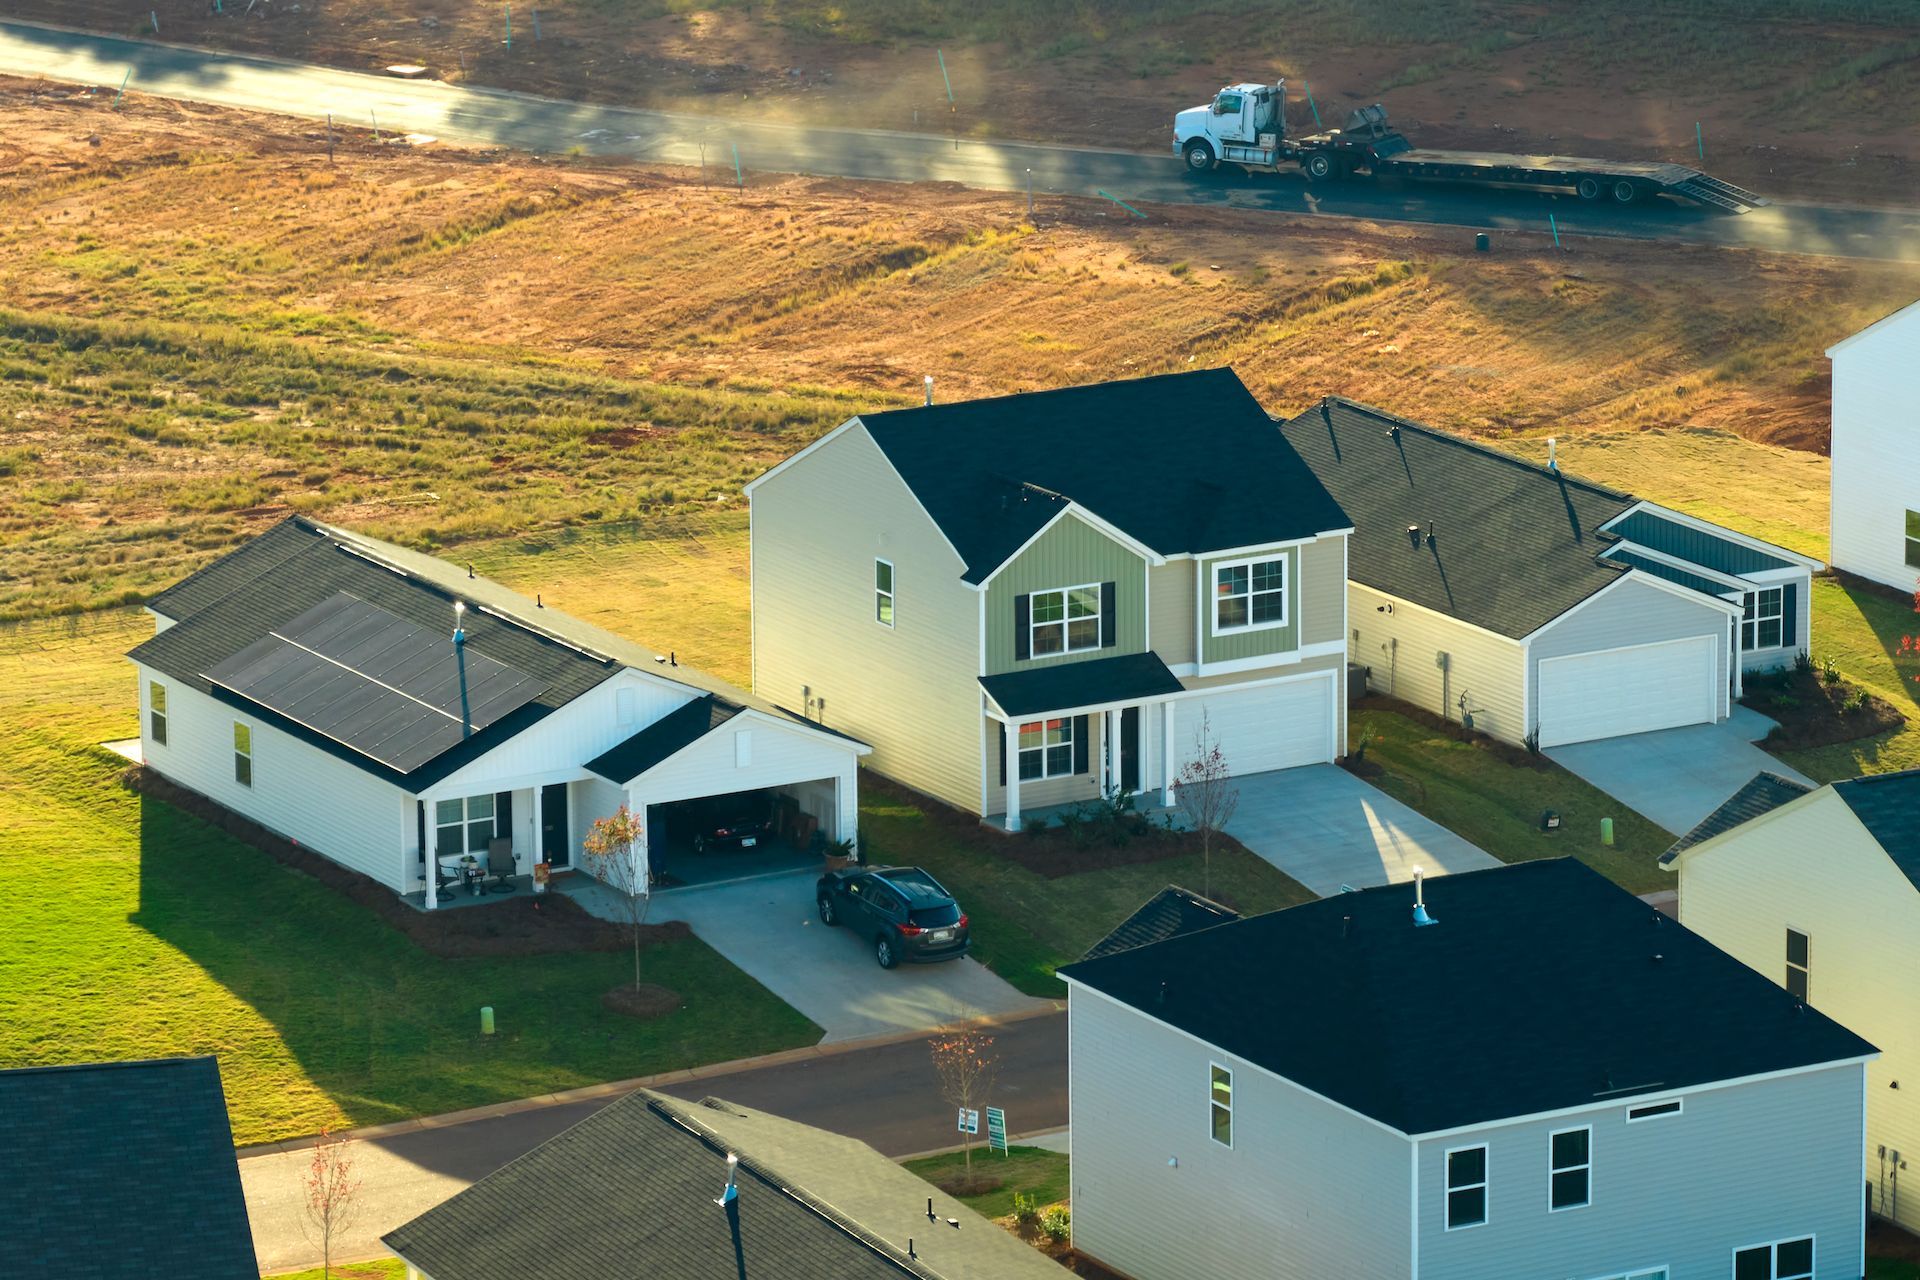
[(1049, 391), (1460, 441)]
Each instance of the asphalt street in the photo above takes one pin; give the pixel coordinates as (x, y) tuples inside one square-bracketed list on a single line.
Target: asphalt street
[(427, 108), (885, 1095)]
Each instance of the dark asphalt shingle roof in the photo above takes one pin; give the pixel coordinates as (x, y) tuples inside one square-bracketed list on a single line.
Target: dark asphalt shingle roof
[(1064, 685), (118, 1170), (1514, 545), (1182, 462), (631, 1191), (297, 565), (671, 733), (1888, 806), (1762, 795), (1170, 913), (1542, 986)]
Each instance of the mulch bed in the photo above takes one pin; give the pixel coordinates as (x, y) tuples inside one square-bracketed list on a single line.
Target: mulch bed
[(518, 924), (1884, 1240), (1814, 713), (1506, 752), (644, 1001)]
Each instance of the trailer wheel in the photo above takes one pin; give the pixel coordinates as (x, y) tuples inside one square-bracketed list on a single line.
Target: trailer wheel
[(1625, 192), (1320, 166), (1198, 154), (1590, 188)]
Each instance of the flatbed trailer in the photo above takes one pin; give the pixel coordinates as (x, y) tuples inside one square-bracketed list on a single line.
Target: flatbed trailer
[(1246, 126)]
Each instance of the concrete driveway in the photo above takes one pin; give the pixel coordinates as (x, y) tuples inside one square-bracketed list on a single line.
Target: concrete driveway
[(769, 928), (1677, 776), (1327, 828)]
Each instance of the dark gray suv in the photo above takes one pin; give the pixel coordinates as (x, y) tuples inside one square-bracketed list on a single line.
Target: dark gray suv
[(903, 911)]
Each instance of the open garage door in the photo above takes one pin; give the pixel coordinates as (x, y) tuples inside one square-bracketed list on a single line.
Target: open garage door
[(709, 839), (1614, 692), (1274, 726)]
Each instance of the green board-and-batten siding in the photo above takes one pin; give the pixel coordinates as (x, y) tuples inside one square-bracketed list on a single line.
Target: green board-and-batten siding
[(1070, 554), (1695, 545), (1264, 641)]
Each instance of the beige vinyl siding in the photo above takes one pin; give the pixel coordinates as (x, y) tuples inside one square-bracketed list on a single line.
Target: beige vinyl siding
[(1068, 790), (1633, 612), (1071, 553), (1306, 1189), (1401, 651), (911, 690), (1744, 890), (1171, 597), (1323, 584)]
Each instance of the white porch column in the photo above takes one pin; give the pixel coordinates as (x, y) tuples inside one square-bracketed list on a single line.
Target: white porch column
[(1107, 743), (642, 848), (1010, 734), (1169, 759)]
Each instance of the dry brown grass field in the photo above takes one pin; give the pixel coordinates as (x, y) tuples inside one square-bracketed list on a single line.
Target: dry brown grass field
[(204, 325)]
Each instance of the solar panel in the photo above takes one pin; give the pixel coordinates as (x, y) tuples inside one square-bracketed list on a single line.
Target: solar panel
[(374, 682)]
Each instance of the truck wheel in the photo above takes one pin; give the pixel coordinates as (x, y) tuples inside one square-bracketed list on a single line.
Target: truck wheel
[(1625, 192), (1590, 188), (1199, 156), (1321, 166)]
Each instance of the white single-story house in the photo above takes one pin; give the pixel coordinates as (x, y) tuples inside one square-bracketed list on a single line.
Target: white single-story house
[(1484, 587), (1876, 451), (376, 705)]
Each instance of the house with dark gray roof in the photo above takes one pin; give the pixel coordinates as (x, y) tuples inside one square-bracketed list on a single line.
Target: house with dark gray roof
[(1818, 889), (1487, 588), (1169, 913), (117, 1169), (429, 728), (656, 1188), (1038, 599), (1523, 1071)]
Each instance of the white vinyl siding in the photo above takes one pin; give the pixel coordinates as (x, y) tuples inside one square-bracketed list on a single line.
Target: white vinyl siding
[(1876, 451), (1430, 660)]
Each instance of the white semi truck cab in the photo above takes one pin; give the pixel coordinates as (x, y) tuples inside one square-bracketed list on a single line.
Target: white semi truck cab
[(1244, 124)]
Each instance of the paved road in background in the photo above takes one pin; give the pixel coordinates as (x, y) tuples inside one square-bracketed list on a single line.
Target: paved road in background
[(885, 1095), (523, 122)]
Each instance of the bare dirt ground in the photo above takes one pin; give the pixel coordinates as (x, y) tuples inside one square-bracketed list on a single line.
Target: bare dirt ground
[(206, 325), (1791, 103)]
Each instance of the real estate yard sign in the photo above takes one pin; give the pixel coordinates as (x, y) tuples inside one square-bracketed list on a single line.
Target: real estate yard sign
[(996, 1130), (969, 1120)]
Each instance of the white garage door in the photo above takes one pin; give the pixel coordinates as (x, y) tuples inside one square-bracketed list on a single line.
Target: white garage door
[(1276, 726), (1612, 692)]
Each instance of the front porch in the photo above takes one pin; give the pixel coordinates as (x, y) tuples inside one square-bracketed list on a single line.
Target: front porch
[(1147, 804)]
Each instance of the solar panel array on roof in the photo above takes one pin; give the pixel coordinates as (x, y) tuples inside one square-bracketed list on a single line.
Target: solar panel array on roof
[(374, 682)]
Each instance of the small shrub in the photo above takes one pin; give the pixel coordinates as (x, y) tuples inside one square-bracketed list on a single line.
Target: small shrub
[(1784, 701), (1026, 1211), (1532, 742), (1829, 670), (1056, 1224), (1855, 701), (1803, 663), (1034, 825)]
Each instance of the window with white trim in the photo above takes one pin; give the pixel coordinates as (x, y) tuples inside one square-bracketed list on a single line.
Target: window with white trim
[(1781, 1260), (1220, 1104), (1762, 615), (463, 825), (1654, 1111), (1466, 1187), (883, 592), (1913, 539), (1065, 620), (1570, 1153), (157, 711), (242, 754), (1250, 594), (1046, 749), (1799, 963)]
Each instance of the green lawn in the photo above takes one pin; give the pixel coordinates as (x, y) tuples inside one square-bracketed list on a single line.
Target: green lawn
[(1861, 630), (132, 930), (379, 1269), (1892, 1269), (1496, 805), (1034, 1171), (1025, 925)]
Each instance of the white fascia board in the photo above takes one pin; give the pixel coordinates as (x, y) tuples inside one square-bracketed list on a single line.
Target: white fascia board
[(857, 749), (1086, 517), (1257, 547), (1882, 322), (1717, 531), (1727, 580)]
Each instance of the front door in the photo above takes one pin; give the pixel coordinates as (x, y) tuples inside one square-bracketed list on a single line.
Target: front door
[(555, 848), (1130, 749)]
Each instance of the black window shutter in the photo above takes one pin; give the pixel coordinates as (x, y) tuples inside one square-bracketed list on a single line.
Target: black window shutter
[(1022, 628), (421, 823), (1002, 735), (1080, 744), (1107, 612), (1789, 613), (502, 814)]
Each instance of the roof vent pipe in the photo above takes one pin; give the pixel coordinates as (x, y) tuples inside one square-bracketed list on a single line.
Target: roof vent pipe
[(1420, 917), (460, 661), (928, 380), (731, 1191), (1551, 450)]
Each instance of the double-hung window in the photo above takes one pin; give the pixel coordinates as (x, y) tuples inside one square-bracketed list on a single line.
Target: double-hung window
[(1571, 1174), (1761, 619), (1799, 963), (157, 712), (1066, 620), (463, 825), (1046, 749), (1781, 1260), (1220, 1105), (1913, 539), (242, 754), (883, 592), (1466, 1187), (1250, 594)]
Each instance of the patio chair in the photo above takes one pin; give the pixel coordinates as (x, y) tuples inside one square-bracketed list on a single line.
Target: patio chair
[(447, 882), (501, 865)]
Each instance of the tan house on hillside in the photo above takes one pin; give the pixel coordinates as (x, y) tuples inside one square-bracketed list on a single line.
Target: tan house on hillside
[(1039, 598), (1819, 890)]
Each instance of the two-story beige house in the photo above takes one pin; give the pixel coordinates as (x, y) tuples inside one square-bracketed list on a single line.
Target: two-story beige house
[(1037, 599)]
